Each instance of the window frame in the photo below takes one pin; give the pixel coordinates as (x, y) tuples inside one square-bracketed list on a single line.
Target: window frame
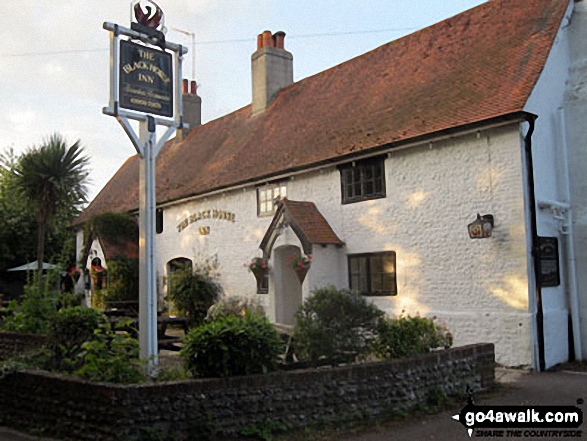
[(360, 166), (369, 256), (270, 187)]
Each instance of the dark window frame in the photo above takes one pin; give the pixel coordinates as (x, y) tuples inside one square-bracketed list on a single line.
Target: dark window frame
[(369, 273), (363, 174)]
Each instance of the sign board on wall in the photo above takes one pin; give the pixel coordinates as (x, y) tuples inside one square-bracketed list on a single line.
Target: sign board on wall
[(548, 264), (146, 79)]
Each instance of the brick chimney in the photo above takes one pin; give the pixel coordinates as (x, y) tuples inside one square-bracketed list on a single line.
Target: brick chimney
[(192, 108), (272, 68)]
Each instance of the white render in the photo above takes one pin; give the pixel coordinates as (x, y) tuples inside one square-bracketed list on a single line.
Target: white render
[(484, 290), (478, 287)]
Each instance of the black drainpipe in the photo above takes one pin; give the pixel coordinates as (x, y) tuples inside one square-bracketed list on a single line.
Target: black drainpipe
[(530, 118)]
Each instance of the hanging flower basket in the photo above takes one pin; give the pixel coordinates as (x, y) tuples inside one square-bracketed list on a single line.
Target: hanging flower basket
[(259, 267), (301, 265), (301, 273)]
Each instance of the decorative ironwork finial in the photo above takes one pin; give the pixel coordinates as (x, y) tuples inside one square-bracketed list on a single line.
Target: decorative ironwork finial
[(150, 19)]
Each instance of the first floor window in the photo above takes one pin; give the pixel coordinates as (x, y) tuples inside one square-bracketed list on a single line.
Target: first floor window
[(373, 274), (268, 198), (363, 180)]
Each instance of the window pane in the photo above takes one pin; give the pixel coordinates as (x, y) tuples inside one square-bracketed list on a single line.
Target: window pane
[(378, 186), (368, 172), (389, 284), (376, 283), (369, 189), (363, 285), (389, 263), (378, 169), (358, 265)]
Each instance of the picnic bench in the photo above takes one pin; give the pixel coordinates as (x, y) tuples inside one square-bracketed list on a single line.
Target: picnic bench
[(118, 311)]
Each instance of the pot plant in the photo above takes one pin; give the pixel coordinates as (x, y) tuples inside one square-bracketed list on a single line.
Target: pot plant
[(259, 267), (301, 264)]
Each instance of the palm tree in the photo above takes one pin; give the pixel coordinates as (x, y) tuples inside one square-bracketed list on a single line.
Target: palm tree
[(49, 177)]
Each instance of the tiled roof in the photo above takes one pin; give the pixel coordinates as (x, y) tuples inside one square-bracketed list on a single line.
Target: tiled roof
[(475, 66), (310, 223)]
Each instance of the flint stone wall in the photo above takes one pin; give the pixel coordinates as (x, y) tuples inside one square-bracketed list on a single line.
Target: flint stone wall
[(13, 343), (72, 408)]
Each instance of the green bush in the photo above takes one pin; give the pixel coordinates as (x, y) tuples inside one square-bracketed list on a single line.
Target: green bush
[(69, 329), (193, 293), (235, 305), (111, 356), (232, 346), (408, 336), (33, 314), (334, 325)]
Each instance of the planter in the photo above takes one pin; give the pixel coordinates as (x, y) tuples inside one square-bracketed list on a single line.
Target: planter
[(301, 273), (260, 274)]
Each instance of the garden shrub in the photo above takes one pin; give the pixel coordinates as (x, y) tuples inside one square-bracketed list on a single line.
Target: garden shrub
[(111, 356), (69, 329), (232, 345), (334, 324), (406, 336), (33, 313), (235, 305), (193, 292)]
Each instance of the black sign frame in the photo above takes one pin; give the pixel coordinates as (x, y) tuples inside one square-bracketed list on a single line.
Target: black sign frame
[(548, 262), (146, 79)]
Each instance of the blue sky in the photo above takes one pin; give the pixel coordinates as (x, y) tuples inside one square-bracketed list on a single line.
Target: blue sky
[(54, 60)]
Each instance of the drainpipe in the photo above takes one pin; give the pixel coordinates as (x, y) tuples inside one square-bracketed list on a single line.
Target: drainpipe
[(530, 118), (570, 246)]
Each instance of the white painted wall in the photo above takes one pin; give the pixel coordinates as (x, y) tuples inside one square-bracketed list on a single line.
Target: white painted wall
[(549, 174), (575, 112), (478, 287)]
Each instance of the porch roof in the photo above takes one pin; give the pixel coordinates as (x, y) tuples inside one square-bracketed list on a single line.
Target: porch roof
[(306, 221)]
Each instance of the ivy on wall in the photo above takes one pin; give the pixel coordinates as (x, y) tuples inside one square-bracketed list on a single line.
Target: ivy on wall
[(122, 276)]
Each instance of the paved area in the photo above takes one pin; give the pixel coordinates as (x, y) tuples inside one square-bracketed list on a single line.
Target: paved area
[(521, 388)]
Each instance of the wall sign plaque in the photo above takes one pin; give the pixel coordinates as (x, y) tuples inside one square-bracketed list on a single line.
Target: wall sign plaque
[(548, 264), (146, 79)]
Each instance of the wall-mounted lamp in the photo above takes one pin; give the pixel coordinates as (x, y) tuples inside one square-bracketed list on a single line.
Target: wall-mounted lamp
[(481, 227)]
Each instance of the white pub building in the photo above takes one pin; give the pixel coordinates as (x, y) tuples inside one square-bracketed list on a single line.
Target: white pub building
[(378, 169)]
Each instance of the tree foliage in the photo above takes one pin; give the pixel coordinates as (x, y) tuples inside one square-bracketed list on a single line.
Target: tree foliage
[(51, 179)]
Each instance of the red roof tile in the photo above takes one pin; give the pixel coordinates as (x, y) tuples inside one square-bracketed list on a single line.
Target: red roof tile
[(478, 65), (310, 223)]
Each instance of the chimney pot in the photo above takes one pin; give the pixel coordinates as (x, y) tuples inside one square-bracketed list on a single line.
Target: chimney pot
[(192, 108), (279, 39), (267, 39), (259, 41), (272, 70)]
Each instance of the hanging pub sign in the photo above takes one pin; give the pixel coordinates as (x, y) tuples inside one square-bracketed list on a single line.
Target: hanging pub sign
[(548, 264), (146, 79)]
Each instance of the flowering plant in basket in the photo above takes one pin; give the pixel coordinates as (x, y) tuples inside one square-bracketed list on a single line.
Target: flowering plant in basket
[(300, 262), (257, 263)]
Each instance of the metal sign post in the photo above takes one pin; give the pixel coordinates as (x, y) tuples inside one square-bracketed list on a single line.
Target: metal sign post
[(148, 87)]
